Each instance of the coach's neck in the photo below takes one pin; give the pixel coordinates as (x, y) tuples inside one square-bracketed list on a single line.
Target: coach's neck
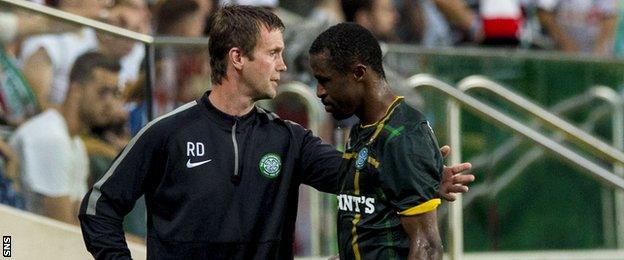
[(228, 98)]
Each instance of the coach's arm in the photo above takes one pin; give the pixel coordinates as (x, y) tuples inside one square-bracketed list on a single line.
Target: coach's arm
[(136, 170), (425, 242)]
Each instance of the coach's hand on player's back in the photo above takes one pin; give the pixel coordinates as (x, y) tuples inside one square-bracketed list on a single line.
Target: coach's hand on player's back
[(453, 181)]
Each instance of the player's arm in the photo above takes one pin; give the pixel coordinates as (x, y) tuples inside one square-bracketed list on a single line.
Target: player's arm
[(319, 162), (113, 196), (425, 242), (411, 171)]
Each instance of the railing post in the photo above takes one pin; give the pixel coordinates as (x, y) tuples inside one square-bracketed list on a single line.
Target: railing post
[(456, 229), (618, 141), (150, 76)]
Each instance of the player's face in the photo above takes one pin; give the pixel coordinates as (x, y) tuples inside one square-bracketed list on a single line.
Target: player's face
[(263, 67), (99, 96), (337, 91)]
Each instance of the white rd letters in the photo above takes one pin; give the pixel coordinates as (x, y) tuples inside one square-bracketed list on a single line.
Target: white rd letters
[(194, 149)]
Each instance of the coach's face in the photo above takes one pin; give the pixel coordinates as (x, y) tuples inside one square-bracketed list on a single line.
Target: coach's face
[(262, 68), (338, 91)]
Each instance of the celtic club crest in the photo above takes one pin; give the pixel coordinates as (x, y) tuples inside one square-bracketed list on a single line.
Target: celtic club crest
[(270, 165), (361, 158)]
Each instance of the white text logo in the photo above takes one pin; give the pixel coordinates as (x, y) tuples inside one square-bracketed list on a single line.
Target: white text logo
[(356, 203)]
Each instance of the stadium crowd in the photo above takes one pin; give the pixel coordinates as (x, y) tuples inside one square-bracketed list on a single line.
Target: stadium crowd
[(71, 98)]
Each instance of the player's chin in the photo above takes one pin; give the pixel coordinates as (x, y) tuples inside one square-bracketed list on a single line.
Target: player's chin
[(340, 115)]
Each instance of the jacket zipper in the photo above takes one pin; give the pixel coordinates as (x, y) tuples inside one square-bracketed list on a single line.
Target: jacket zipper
[(236, 175)]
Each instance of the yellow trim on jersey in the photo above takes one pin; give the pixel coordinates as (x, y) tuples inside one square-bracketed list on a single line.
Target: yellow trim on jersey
[(373, 161), (348, 155), (382, 122), (356, 219), (388, 112), (354, 242), (422, 208)]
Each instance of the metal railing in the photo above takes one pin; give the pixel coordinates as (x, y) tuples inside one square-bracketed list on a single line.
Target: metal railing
[(457, 98), (78, 20), (605, 151), (578, 136)]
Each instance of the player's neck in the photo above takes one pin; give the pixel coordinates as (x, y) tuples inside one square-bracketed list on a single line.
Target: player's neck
[(376, 104), (228, 99)]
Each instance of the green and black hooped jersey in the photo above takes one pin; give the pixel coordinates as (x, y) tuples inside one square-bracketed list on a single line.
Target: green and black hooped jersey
[(390, 168)]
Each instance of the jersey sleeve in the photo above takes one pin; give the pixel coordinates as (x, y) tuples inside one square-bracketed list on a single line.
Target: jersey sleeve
[(411, 171), (319, 162), (114, 195)]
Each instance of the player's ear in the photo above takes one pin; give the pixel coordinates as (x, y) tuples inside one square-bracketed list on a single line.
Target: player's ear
[(359, 72), (235, 55)]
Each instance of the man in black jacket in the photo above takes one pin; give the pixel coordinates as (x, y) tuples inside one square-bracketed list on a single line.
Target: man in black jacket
[(220, 175)]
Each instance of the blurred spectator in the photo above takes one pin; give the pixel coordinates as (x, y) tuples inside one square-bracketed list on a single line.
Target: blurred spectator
[(619, 35), (580, 25), (135, 15), (9, 178), (327, 11), (183, 73), (104, 140), (378, 16), (181, 17), (261, 3), (290, 19), (501, 22), (444, 22), (17, 101), (325, 14), (16, 25), (55, 166), (134, 97), (47, 59), (411, 25)]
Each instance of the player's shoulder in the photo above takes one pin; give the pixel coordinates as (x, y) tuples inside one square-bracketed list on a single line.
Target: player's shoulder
[(405, 114), (405, 126), (405, 118)]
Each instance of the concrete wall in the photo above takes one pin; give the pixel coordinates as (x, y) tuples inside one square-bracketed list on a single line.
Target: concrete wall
[(37, 237)]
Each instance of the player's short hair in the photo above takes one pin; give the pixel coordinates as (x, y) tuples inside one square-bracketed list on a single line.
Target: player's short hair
[(236, 26), (348, 44), (351, 7), (82, 70)]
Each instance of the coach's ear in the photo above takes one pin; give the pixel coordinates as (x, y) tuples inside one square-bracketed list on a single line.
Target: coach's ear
[(236, 58), (359, 72)]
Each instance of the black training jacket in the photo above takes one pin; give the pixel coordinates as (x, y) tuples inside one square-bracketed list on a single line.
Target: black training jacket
[(216, 186)]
